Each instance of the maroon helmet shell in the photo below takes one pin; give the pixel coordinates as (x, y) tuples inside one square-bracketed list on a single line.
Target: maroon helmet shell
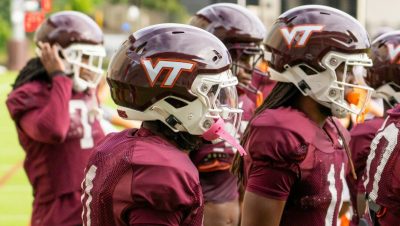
[(130, 84), (305, 34), (69, 27), (386, 60), (232, 23)]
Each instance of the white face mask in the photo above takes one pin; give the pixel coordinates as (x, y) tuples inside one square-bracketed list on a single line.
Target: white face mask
[(86, 58), (329, 87)]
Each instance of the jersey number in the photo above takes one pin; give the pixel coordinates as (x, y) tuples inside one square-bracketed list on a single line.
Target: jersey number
[(390, 134), (87, 139), (87, 186)]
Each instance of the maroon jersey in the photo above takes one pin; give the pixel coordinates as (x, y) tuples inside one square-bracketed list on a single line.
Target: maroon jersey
[(219, 187), (57, 128), (291, 158), (137, 178), (382, 180), (361, 138)]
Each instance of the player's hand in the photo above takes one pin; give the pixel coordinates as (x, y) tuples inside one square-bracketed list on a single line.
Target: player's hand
[(50, 58)]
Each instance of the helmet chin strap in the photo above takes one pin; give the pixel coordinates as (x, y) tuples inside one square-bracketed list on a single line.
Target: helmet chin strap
[(174, 130), (338, 111), (170, 120), (183, 140), (217, 131)]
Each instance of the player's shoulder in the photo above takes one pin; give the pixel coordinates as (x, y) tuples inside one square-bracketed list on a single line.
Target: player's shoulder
[(285, 120), (34, 87), (27, 97), (143, 148), (282, 134), (368, 127)]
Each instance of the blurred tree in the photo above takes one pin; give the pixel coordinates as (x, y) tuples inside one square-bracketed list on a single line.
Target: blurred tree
[(5, 33), (85, 6), (5, 9), (5, 23), (176, 11)]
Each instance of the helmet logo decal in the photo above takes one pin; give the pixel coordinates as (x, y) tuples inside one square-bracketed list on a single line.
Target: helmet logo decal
[(393, 52), (304, 33), (174, 67), (122, 113)]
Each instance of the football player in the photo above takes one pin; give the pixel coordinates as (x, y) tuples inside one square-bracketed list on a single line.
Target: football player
[(242, 33), (382, 181), (177, 80), (55, 109), (294, 172)]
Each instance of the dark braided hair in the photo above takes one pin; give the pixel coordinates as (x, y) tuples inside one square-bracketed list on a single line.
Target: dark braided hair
[(33, 71), (282, 95)]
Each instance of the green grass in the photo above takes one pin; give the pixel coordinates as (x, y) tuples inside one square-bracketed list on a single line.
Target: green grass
[(16, 193)]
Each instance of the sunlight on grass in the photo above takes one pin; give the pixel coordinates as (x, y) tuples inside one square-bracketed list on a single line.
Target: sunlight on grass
[(15, 193)]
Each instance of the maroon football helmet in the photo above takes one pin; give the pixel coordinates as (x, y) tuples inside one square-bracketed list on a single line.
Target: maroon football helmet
[(178, 74), (384, 75), (240, 30), (315, 47), (81, 44)]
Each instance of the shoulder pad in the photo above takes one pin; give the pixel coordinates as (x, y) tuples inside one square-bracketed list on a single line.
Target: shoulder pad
[(287, 119), (26, 98)]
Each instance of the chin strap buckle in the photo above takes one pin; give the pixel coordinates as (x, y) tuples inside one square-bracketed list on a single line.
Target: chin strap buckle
[(173, 122)]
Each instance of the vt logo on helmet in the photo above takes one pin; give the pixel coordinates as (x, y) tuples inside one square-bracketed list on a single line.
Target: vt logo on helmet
[(393, 53), (175, 67), (302, 31)]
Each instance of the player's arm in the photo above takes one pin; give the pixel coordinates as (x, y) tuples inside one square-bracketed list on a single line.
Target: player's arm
[(271, 176), (259, 210), (50, 123), (265, 196), (360, 150)]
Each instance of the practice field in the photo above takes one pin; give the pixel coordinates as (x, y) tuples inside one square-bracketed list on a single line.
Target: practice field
[(15, 191)]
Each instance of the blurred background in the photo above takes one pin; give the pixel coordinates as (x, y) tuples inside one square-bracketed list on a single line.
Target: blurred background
[(119, 18)]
